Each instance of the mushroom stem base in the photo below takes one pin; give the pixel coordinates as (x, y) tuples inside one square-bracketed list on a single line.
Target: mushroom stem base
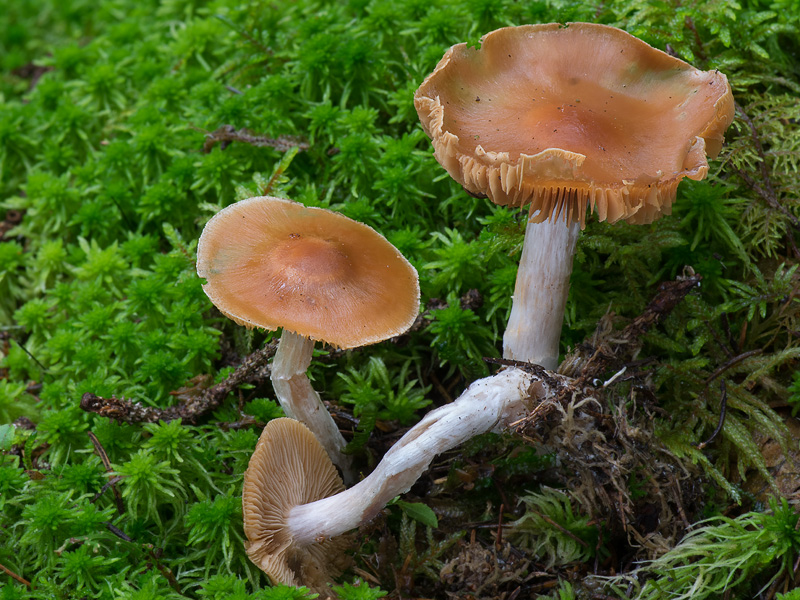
[(300, 401), (540, 293), (488, 404)]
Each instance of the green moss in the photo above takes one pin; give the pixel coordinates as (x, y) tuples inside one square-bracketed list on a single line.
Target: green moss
[(109, 169)]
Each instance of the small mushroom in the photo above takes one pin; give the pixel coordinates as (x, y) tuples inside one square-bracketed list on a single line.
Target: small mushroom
[(289, 467), (570, 117), (272, 263)]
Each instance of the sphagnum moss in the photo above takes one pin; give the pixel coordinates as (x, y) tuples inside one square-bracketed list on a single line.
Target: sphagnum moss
[(105, 111)]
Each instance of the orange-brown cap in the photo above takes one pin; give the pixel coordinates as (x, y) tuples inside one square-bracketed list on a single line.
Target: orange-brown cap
[(272, 263), (569, 117), (289, 467)]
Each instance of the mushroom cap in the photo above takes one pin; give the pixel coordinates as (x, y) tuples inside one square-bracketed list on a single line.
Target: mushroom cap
[(271, 263), (289, 467), (562, 117)]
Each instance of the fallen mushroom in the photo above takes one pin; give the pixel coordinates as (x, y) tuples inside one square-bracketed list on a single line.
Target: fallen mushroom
[(289, 467), (566, 118), (273, 263), (489, 404)]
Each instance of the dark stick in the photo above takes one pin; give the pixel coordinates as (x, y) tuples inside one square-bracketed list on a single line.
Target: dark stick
[(11, 573), (669, 295), (730, 363), (253, 368), (117, 532), (723, 406), (701, 52), (498, 542), (165, 571), (531, 368), (227, 134), (108, 484), (101, 452), (28, 352)]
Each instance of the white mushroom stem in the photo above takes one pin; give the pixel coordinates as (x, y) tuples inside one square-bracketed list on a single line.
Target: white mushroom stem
[(301, 402), (540, 294), (489, 404)]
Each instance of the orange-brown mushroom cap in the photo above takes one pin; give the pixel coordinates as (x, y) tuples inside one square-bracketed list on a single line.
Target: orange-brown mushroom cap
[(289, 467), (569, 117), (271, 263)]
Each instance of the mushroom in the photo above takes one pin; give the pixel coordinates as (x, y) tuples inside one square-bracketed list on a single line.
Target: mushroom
[(289, 467), (489, 404), (566, 118), (272, 263)]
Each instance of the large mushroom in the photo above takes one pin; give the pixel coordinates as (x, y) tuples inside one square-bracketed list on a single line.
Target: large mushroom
[(566, 118), (273, 263)]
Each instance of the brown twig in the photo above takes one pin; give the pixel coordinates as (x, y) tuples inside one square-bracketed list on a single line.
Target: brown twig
[(194, 406), (607, 354), (101, 452), (111, 482), (498, 541), (11, 573), (772, 591), (726, 328), (442, 390), (531, 368), (228, 133), (723, 406), (30, 354), (245, 422), (730, 363), (118, 532), (165, 571), (700, 46)]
